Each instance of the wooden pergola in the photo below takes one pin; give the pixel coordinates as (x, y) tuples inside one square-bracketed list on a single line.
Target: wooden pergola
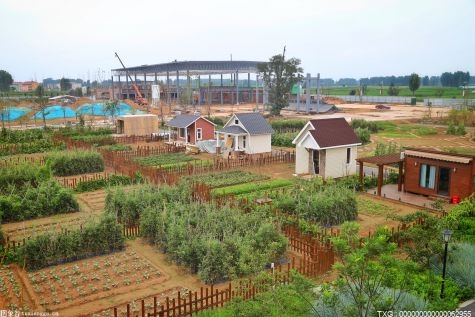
[(380, 161)]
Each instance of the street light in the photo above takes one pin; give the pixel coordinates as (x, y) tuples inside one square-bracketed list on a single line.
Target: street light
[(446, 234)]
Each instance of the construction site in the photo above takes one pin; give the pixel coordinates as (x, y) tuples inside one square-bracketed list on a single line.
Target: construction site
[(190, 82)]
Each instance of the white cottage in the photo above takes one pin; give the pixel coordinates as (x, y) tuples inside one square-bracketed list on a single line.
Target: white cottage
[(247, 133), (326, 147)]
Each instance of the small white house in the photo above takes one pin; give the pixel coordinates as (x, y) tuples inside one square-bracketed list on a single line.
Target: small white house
[(247, 133), (326, 147)]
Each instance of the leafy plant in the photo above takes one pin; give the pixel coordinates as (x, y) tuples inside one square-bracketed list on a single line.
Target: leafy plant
[(251, 187), (75, 163)]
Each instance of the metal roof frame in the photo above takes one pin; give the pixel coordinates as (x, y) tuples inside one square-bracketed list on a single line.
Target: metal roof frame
[(191, 68)]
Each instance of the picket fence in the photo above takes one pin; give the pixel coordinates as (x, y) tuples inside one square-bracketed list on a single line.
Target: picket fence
[(314, 258)]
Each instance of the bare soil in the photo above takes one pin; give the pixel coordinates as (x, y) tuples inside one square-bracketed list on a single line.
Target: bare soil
[(99, 294)]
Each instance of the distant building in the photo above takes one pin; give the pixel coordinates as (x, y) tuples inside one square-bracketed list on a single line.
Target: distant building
[(24, 86)]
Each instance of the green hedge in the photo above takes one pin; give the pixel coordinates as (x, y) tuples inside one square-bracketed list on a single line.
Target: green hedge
[(75, 163), (48, 198), (28, 191), (283, 139), (27, 141), (94, 239)]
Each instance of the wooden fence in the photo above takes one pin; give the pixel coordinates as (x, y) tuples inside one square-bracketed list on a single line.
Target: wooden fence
[(316, 258), (8, 243), (72, 182), (210, 297), (17, 160)]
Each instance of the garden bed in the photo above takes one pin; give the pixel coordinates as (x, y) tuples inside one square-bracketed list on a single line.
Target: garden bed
[(76, 283)]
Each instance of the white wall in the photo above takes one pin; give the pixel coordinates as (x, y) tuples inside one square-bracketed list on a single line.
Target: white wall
[(336, 162), (301, 160), (258, 144)]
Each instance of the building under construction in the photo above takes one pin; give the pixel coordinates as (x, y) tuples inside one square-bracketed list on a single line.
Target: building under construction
[(191, 82)]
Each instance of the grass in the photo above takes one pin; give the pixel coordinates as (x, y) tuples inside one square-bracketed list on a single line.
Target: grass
[(390, 130), (370, 207), (458, 150), (422, 92), (396, 135)]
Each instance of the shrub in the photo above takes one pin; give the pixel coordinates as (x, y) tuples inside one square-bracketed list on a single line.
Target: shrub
[(217, 243), (386, 148), (456, 129), (288, 124), (363, 134), (362, 123), (48, 198), (75, 163), (283, 139), (28, 191), (94, 239), (327, 205)]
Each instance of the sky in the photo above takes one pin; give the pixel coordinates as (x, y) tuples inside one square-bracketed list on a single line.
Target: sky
[(338, 39)]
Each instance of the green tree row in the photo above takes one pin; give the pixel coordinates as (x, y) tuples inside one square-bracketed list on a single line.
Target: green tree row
[(75, 162), (218, 243), (28, 191), (92, 240)]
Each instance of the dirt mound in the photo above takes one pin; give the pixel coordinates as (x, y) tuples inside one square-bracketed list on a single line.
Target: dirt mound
[(333, 100)]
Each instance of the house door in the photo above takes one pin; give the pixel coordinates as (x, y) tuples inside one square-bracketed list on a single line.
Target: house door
[(443, 183), (188, 136), (316, 161)]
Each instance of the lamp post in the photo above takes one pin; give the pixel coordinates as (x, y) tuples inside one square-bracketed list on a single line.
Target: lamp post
[(446, 234)]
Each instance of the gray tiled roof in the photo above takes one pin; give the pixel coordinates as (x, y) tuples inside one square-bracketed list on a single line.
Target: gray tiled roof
[(254, 123), (182, 121), (233, 129)]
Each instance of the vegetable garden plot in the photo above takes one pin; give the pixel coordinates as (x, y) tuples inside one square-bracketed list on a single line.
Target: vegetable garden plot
[(62, 286), (13, 295), (227, 178), (164, 160)]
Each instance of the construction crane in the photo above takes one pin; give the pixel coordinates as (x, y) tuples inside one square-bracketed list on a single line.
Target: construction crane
[(138, 98)]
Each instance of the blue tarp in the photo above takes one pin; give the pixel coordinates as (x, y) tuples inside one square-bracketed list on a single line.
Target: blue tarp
[(11, 114), (97, 109), (56, 112)]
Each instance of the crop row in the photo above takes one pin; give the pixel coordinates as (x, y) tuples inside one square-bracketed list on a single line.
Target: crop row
[(101, 274), (226, 178), (164, 159), (251, 187)]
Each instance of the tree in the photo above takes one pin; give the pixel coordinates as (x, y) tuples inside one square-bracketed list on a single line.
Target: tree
[(5, 80), (65, 84), (370, 278), (414, 83), (280, 75), (112, 107), (42, 103), (393, 90)]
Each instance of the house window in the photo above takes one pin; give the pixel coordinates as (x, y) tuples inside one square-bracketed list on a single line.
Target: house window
[(348, 155), (198, 134), (236, 121), (182, 132), (427, 178), (244, 141)]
